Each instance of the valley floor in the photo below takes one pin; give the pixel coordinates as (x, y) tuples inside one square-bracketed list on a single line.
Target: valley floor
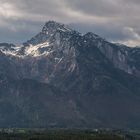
[(42, 134)]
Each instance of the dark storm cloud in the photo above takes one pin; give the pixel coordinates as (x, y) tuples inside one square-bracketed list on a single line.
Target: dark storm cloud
[(115, 20)]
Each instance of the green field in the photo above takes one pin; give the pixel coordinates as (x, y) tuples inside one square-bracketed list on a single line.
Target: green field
[(23, 134)]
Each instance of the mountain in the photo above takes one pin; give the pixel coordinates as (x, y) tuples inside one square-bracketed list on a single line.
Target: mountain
[(63, 79)]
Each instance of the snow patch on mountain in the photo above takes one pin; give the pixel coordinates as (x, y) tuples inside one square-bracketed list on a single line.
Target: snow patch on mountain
[(34, 51), (37, 50)]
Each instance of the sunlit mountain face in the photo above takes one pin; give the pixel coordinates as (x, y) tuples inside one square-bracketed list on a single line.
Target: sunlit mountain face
[(64, 79)]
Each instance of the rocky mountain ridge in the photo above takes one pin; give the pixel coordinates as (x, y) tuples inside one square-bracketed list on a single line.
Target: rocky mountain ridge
[(61, 78)]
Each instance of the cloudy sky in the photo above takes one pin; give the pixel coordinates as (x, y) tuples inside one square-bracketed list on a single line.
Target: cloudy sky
[(115, 20)]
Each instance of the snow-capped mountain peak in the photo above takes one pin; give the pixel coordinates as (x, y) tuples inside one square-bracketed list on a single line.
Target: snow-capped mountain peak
[(42, 43), (49, 32)]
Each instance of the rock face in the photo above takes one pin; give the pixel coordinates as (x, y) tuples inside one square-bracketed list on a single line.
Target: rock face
[(61, 78)]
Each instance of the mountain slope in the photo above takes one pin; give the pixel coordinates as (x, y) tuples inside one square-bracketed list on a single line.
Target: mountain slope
[(61, 78)]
